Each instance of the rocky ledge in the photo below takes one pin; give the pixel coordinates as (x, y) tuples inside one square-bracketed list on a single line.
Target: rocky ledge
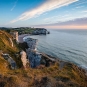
[(39, 60), (44, 70)]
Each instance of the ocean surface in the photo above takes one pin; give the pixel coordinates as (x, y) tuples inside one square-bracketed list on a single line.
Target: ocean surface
[(68, 45)]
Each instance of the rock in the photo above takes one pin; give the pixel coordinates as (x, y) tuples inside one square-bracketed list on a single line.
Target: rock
[(10, 61), (15, 35), (34, 57), (11, 42), (23, 58), (39, 31), (31, 43)]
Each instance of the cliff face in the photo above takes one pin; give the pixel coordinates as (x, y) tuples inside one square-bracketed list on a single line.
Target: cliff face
[(23, 58), (40, 31), (8, 48), (6, 43), (4, 66), (58, 74), (33, 56)]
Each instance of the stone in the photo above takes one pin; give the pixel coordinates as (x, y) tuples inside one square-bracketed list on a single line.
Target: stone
[(10, 61), (23, 58), (34, 57)]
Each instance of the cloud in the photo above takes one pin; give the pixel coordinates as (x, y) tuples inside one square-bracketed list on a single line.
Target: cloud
[(14, 5), (80, 7), (66, 27), (57, 18), (48, 5), (78, 21), (50, 18), (81, 3), (84, 11)]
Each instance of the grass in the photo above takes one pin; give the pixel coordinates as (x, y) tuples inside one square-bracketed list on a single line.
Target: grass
[(55, 76), (4, 66), (5, 46), (69, 76)]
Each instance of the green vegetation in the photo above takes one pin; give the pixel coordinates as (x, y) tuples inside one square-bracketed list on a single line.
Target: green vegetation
[(20, 30), (51, 76), (68, 76), (5, 46), (5, 43)]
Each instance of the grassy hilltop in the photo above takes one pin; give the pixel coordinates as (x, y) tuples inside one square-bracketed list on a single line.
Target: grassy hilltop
[(20, 30), (5, 43), (69, 75)]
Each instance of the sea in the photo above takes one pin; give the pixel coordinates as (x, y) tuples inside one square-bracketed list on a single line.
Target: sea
[(67, 45)]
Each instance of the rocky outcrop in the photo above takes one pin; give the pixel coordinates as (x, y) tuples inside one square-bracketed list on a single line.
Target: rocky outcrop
[(47, 60), (39, 31), (11, 42), (23, 58), (10, 61), (33, 56), (60, 74), (31, 43), (15, 35)]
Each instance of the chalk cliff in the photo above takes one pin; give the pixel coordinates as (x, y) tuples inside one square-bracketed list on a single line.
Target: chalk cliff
[(33, 56), (58, 74), (23, 58)]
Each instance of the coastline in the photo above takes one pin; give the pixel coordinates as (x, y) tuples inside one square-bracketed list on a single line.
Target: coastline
[(20, 37), (63, 62), (51, 72)]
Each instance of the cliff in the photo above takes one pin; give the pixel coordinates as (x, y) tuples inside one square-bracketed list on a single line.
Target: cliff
[(7, 44), (27, 30), (39, 31), (56, 74), (69, 76), (8, 48)]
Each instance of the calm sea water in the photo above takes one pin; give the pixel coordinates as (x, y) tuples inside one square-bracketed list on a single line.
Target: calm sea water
[(69, 45)]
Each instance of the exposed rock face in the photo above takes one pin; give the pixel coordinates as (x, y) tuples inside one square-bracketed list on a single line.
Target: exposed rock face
[(47, 60), (40, 31), (10, 60), (33, 56), (31, 43), (11, 42), (15, 35), (23, 58)]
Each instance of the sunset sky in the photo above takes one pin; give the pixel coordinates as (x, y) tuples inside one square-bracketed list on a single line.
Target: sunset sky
[(50, 14)]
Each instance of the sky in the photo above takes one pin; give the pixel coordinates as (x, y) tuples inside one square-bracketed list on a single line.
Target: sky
[(50, 14)]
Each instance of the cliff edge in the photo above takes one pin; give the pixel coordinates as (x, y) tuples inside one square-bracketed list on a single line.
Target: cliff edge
[(58, 74)]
